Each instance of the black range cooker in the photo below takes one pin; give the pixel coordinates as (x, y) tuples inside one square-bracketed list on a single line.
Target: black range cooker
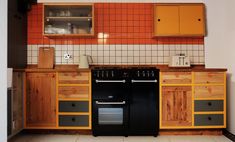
[(125, 101)]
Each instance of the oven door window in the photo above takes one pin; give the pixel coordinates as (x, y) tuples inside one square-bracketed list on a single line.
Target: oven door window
[(110, 116)]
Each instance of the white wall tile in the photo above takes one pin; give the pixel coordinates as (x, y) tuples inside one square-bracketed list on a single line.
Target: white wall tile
[(122, 54)]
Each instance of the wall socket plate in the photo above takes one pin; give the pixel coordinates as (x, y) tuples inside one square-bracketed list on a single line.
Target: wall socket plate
[(67, 56)]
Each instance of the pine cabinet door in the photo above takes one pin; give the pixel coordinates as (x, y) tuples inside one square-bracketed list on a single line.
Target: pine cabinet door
[(176, 106), (40, 100), (166, 20)]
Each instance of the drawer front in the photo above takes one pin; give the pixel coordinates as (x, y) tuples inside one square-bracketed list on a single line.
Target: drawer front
[(74, 120), (73, 106), (209, 77), (208, 119), (73, 77), (68, 92), (209, 91), (209, 105), (176, 77)]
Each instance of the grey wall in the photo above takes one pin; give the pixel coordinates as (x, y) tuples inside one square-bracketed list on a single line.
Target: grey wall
[(3, 71)]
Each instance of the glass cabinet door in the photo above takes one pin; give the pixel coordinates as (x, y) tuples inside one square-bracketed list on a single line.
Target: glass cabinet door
[(68, 20)]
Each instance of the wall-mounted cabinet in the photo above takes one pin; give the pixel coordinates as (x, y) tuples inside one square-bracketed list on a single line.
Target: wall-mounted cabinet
[(68, 19), (179, 20)]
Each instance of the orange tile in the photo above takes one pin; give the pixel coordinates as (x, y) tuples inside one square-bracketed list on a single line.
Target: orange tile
[(124, 29), (112, 29), (130, 23)]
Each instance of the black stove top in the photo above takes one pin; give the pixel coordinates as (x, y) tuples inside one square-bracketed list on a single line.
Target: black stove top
[(124, 73)]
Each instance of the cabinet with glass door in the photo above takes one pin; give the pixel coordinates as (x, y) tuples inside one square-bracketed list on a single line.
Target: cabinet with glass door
[(68, 19)]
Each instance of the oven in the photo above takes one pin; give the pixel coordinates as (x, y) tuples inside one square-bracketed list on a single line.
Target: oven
[(109, 103)]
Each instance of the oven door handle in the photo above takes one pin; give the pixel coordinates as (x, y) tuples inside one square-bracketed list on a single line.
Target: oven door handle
[(110, 103), (144, 81), (110, 81)]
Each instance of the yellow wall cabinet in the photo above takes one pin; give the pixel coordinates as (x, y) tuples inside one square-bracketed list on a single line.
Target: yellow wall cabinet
[(191, 100), (179, 20)]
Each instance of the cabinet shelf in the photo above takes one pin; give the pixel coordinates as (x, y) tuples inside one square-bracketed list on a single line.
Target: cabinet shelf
[(69, 19)]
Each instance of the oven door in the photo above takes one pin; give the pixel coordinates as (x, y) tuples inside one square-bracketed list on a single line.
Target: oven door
[(109, 118)]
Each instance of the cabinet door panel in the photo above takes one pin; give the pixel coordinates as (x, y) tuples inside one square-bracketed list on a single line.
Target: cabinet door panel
[(41, 100), (17, 101), (176, 106), (166, 20), (192, 20)]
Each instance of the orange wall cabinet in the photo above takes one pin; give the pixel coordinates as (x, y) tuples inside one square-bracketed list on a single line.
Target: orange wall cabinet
[(40, 100), (179, 20)]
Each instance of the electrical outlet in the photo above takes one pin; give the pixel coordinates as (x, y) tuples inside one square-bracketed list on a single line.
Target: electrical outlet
[(67, 56)]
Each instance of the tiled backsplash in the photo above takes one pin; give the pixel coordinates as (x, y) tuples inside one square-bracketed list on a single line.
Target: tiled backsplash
[(121, 54), (124, 35)]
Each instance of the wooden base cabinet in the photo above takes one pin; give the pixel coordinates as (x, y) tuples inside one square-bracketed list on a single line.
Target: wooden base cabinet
[(176, 106), (40, 100), (192, 100)]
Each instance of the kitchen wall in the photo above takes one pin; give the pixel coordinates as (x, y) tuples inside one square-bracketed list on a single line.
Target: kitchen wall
[(123, 36), (3, 71), (219, 46)]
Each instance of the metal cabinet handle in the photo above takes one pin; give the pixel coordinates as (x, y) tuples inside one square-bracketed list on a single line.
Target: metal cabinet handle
[(110, 81), (145, 81), (110, 103)]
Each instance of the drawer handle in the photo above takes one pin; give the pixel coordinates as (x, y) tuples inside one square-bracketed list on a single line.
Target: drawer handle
[(209, 118), (209, 104), (73, 105), (199, 19), (73, 119), (158, 20)]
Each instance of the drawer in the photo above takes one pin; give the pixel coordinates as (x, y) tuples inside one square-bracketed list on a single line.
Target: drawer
[(73, 106), (208, 119), (209, 105), (73, 92), (74, 120), (73, 77), (209, 91), (209, 77), (176, 78)]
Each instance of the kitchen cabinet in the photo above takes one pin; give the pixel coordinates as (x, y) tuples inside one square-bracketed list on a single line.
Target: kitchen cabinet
[(190, 100), (68, 20), (179, 20), (210, 99), (17, 105), (40, 100), (176, 106), (74, 99)]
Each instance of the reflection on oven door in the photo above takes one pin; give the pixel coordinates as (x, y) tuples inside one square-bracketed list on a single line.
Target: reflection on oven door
[(110, 116)]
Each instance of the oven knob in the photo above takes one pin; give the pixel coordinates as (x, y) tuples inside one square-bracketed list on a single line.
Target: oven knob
[(102, 73), (107, 74), (143, 73), (148, 74), (98, 74), (152, 73), (138, 73), (112, 73)]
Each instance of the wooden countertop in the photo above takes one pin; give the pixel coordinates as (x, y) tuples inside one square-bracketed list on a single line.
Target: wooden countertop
[(162, 68)]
